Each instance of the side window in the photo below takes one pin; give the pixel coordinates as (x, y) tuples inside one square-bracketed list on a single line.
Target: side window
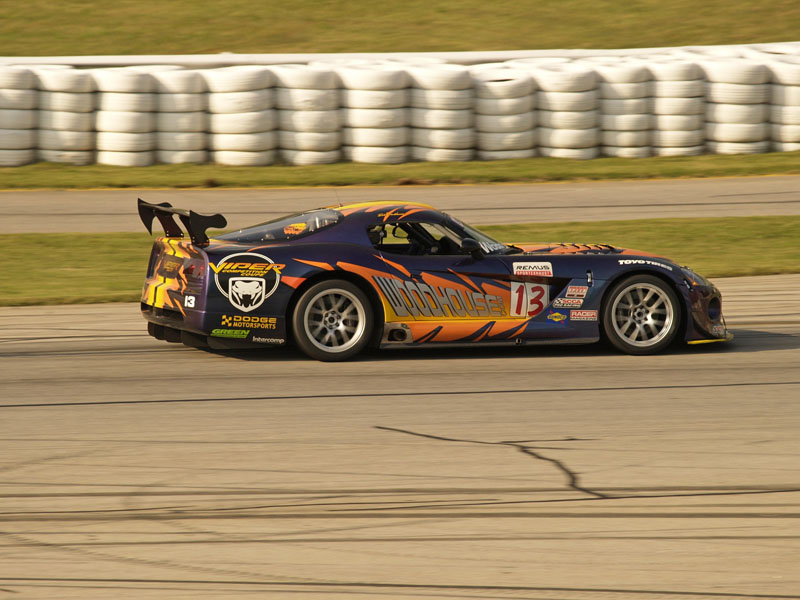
[(414, 239), (389, 238)]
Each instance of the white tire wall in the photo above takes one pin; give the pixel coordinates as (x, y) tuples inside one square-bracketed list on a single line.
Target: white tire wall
[(125, 159), (241, 121), (52, 139), (677, 103), (177, 157), (310, 157), (505, 115), (249, 122), (17, 139), (374, 114), (66, 101), (376, 155), (18, 119), (126, 119), (737, 109), (71, 157), (625, 135), (243, 159), (784, 112), (442, 114), (16, 158)]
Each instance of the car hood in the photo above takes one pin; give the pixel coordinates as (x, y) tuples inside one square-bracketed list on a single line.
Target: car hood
[(565, 248)]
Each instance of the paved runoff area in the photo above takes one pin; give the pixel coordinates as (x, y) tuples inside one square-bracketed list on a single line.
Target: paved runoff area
[(133, 468), (115, 210)]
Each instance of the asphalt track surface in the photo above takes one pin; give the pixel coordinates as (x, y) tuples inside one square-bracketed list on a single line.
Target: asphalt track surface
[(113, 210), (132, 468)]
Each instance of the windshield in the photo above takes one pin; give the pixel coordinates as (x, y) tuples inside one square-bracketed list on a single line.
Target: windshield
[(286, 228), (488, 245)]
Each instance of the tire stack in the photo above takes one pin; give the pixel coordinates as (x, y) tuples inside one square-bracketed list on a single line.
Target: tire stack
[(505, 115), (18, 116), (567, 101), (309, 123), (737, 109), (126, 117), (785, 109), (182, 120), (678, 104), (442, 117), (375, 135), (241, 118), (66, 131), (625, 134)]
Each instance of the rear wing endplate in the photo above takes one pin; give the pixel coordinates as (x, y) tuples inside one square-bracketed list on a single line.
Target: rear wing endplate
[(195, 223)]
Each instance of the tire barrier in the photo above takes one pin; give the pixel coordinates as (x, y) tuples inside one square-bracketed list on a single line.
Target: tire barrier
[(505, 116), (18, 116), (241, 119), (670, 102), (377, 135)]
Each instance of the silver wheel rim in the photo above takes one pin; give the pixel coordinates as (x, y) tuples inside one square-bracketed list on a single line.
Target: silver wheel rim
[(334, 320), (642, 314)]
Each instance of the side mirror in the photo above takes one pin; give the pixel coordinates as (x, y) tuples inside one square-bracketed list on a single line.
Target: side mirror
[(471, 246)]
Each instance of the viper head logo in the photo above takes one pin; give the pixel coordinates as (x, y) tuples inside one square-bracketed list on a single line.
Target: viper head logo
[(246, 293)]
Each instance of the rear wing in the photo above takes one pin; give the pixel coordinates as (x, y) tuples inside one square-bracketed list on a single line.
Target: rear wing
[(195, 223)]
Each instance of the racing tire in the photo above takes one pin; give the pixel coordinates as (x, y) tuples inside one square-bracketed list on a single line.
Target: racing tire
[(641, 315), (333, 321)]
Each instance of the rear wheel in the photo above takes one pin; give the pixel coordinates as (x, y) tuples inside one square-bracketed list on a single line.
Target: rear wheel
[(333, 320), (641, 315)]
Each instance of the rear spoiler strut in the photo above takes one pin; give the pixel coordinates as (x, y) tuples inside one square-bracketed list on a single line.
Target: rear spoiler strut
[(195, 223)]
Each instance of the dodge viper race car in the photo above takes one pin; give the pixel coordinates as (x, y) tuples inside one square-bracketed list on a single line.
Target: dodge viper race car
[(390, 274)]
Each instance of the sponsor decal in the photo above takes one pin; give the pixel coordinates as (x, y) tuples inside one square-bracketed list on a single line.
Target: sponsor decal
[(189, 301), (263, 340), (420, 299), (169, 267), (533, 269), (489, 247), (718, 330), (238, 334), (577, 291), (583, 315), (528, 299), (556, 316), (567, 303), (246, 279), (246, 293), (642, 261), (248, 321), (295, 228)]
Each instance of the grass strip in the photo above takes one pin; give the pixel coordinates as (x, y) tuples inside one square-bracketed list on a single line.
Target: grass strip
[(76, 27), (57, 176), (72, 268)]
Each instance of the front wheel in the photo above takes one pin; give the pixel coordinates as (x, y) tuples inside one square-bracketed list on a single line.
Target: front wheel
[(333, 320), (641, 315)]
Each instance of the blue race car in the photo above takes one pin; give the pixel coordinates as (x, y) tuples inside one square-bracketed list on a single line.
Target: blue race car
[(389, 274)]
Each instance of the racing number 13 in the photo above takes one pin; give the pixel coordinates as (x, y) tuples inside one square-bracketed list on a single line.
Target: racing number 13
[(528, 299)]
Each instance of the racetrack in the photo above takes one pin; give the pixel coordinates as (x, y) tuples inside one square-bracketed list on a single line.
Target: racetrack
[(113, 210), (133, 468)]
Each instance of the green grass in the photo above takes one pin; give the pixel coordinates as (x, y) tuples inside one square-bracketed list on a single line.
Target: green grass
[(75, 27), (80, 268), (715, 247), (47, 175)]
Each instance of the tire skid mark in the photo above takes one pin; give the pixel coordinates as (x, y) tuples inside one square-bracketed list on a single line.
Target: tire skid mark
[(469, 392), (23, 540), (369, 586), (573, 481)]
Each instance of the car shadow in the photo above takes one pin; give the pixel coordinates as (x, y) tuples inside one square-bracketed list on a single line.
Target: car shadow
[(745, 341)]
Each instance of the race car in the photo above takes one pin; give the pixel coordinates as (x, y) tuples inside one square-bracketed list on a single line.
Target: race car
[(336, 280)]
